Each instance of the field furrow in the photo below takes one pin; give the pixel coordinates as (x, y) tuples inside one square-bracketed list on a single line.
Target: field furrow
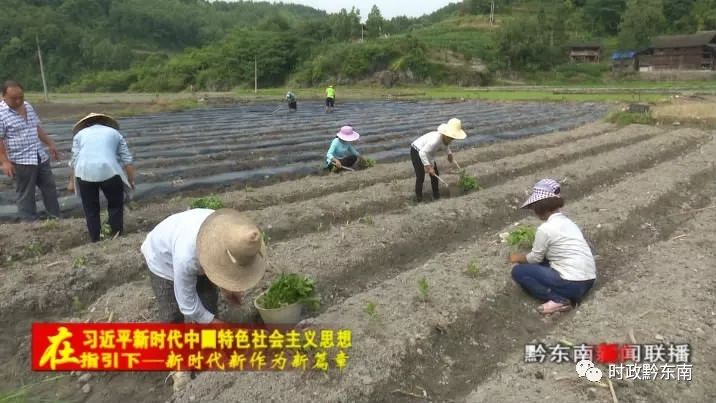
[(385, 344)]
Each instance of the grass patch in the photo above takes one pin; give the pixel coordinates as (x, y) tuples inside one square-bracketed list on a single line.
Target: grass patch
[(35, 249), (209, 202), (423, 289), (472, 270), (367, 163), (623, 118), (522, 237), (79, 262)]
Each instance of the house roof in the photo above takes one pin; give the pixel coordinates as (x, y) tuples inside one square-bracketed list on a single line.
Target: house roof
[(624, 55), (585, 45), (684, 41)]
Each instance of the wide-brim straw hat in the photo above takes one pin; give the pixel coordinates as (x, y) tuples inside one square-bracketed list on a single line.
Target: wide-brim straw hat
[(348, 134), (544, 189), (95, 117), (452, 129), (231, 250)]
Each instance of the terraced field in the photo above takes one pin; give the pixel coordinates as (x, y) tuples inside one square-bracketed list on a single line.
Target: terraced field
[(643, 195)]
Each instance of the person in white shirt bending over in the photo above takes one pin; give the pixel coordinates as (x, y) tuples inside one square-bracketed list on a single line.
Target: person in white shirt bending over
[(560, 269), (422, 153)]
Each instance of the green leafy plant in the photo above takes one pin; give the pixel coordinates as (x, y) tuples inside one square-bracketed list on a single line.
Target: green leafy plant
[(79, 262), (265, 237), (51, 224), (370, 309), (367, 162), (288, 289), (472, 270), (467, 182), (623, 118), (209, 202), (35, 249), (423, 288), (105, 232), (521, 237)]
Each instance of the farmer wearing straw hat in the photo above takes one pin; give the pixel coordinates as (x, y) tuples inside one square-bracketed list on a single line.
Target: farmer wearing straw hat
[(100, 161), (192, 255), (422, 152), (342, 154), (560, 269)]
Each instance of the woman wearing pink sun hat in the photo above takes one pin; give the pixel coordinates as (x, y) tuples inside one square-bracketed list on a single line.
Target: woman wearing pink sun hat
[(560, 269), (342, 153)]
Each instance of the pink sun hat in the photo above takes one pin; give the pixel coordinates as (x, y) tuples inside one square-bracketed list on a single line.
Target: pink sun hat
[(348, 134), (544, 189)]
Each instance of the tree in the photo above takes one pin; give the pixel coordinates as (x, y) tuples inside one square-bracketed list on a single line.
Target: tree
[(375, 22), (678, 15), (603, 16), (642, 20), (704, 13)]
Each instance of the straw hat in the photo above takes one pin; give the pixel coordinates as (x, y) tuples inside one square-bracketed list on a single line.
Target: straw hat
[(348, 134), (100, 117), (231, 250), (544, 189), (453, 129)]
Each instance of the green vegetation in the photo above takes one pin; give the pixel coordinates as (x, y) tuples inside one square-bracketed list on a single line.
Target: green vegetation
[(288, 289), (423, 288), (521, 237), (196, 45), (623, 118), (35, 249), (472, 270), (370, 310), (105, 231), (467, 182), (209, 202), (79, 262)]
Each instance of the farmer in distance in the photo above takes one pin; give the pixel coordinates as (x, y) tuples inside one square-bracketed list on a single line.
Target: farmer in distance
[(560, 269), (422, 153)]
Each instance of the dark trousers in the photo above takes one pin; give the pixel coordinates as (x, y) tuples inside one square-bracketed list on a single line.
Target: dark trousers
[(113, 189), (544, 283), (420, 176), (27, 177), (169, 311), (330, 102), (348, 161), (292, 106)]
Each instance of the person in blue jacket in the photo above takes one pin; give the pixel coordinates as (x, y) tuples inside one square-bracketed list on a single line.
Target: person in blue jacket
[(342, 153)]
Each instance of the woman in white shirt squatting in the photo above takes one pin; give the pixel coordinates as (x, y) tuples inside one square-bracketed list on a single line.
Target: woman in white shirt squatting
[(422, 154), (560, 269)]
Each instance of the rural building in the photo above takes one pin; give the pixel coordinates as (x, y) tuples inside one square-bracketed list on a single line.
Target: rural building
[(585, 53), (623, 62), (680, 52)]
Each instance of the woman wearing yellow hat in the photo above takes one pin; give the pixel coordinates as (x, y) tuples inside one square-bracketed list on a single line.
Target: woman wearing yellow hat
[(422, 154)]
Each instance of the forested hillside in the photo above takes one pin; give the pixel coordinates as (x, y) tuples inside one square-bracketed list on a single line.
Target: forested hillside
[(172, 45)]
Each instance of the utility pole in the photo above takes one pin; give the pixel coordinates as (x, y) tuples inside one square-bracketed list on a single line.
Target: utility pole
[(42, 69), (361, 32), (256, 76), (492, 12)]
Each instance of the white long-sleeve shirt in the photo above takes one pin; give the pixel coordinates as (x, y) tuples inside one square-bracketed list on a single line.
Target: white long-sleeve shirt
[(428, 144), (562, 243), (170, 252)]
